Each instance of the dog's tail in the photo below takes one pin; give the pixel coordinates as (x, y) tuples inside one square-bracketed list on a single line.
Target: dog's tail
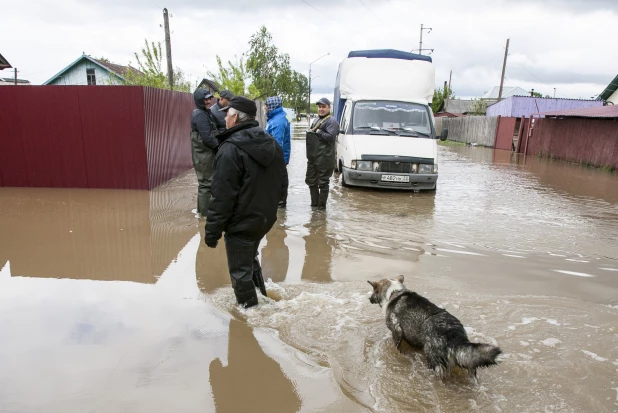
[(471, 356)]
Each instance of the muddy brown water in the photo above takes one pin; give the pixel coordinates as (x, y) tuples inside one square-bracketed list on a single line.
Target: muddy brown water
[(110, 302)]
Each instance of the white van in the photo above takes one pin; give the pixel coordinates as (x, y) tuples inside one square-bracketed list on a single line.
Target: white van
[(387, 137)]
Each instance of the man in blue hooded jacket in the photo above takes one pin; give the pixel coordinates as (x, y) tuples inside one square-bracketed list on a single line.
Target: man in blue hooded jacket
[(278, 127)]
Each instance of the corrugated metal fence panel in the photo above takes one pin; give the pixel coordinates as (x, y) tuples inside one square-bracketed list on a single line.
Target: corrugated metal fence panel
[(504, 135), (113, 132), (579, 140), (42, 144), (12, 157), (472, 129), (167, 128)]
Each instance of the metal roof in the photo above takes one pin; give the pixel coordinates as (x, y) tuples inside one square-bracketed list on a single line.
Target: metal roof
[(4, 64), (610, 111), (507, 91), (118, 70), (609, 90)]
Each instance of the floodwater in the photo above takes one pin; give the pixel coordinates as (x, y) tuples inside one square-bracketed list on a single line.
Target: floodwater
[(110, 302)]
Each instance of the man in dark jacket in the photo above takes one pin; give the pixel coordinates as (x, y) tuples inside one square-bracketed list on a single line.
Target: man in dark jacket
[(321, 154), (246, 189), (278, 126), (203, 146), (222, 102)]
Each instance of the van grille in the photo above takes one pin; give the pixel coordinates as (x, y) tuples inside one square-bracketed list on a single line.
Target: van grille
[(396, 167)]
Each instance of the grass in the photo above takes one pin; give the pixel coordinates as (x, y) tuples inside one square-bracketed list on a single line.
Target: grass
[(451, 143)]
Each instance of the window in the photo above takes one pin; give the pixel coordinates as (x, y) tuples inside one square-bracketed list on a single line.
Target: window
[(396, 117), (91, 77)]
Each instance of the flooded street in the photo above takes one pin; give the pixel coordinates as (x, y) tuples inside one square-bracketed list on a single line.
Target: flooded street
[(111, 302)]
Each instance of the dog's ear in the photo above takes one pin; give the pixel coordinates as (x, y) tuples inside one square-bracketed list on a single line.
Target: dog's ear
[(373, 284), (400, 278)]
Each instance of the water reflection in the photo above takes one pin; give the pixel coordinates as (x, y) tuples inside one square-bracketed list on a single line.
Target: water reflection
[(251, 381), (276, 254), (319, 249), (211, 266), (93, 234)]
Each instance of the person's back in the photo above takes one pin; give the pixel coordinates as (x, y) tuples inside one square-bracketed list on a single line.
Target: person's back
[(246, 189), (260, 163)]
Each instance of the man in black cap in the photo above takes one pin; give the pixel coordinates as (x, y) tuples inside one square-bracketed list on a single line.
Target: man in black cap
[(203, 146), (246, 188), (222, 102), (321, 154)]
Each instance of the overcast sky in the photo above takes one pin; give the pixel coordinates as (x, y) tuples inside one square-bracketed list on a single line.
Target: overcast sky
[(564, 44)]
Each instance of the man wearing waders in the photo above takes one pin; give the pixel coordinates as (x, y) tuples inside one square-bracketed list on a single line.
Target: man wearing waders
[(246, 189), (321, 154), (203, 146)]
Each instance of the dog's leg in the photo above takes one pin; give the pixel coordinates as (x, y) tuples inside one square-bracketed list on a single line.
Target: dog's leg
[(397, 336)]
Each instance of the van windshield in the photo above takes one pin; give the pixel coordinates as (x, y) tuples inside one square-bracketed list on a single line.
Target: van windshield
[(386, 117)]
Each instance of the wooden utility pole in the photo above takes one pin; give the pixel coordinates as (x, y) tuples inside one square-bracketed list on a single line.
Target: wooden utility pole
[(506, 53), (168, 49)]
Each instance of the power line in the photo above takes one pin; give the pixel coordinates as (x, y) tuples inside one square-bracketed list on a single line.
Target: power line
[(372, 12), (313, 7)]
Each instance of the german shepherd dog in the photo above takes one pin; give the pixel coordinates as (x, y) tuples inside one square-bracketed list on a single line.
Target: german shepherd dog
[(423, 325)]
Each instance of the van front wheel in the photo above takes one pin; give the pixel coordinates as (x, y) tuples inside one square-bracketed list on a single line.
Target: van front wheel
[(343, 183)]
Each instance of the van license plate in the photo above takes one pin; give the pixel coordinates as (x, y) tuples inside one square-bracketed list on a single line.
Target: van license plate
[(395, 178)]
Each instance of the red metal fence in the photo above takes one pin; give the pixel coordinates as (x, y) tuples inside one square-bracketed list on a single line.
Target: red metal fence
[(126, 137), (593, 141), (505, 132)]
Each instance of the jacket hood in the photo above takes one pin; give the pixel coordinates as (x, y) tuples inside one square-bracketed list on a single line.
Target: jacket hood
[(198, 97), (275, 112), (251, 138)]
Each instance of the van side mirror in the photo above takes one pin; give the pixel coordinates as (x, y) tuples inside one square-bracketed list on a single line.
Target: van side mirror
[(444, 134)]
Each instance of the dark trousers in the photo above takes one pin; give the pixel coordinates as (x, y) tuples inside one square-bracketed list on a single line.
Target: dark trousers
[(203, 163), (242, 261), (284, 189)]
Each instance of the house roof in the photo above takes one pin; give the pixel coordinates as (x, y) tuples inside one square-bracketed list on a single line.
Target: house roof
[(12, 80), (456, 106), (610, 111), (507, 91), (4, 64), (211, 84), (118, 70), (609, 90)]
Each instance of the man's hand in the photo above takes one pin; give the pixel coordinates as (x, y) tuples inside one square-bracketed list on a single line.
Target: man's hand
[(212, 243)]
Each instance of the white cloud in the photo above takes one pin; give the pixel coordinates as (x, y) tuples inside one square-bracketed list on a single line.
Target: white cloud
[(560, 43)]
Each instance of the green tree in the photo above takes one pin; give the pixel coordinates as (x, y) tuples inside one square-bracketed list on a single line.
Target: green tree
[(150, 73), (234, 77), (439, 96), (264, 62)]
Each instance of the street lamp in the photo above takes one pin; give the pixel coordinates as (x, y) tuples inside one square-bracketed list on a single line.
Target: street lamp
[(309, 94)]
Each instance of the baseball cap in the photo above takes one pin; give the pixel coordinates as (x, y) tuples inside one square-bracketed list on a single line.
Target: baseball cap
[(226, 94), (242, 104), (323, 101)]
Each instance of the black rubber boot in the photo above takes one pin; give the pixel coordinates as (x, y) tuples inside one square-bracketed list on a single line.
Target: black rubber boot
[(323, 198), (246, 295), (315, 196), (258, 281)]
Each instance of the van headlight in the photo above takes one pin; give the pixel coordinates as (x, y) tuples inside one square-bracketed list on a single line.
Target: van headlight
[(425, 168), (364, 165)]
